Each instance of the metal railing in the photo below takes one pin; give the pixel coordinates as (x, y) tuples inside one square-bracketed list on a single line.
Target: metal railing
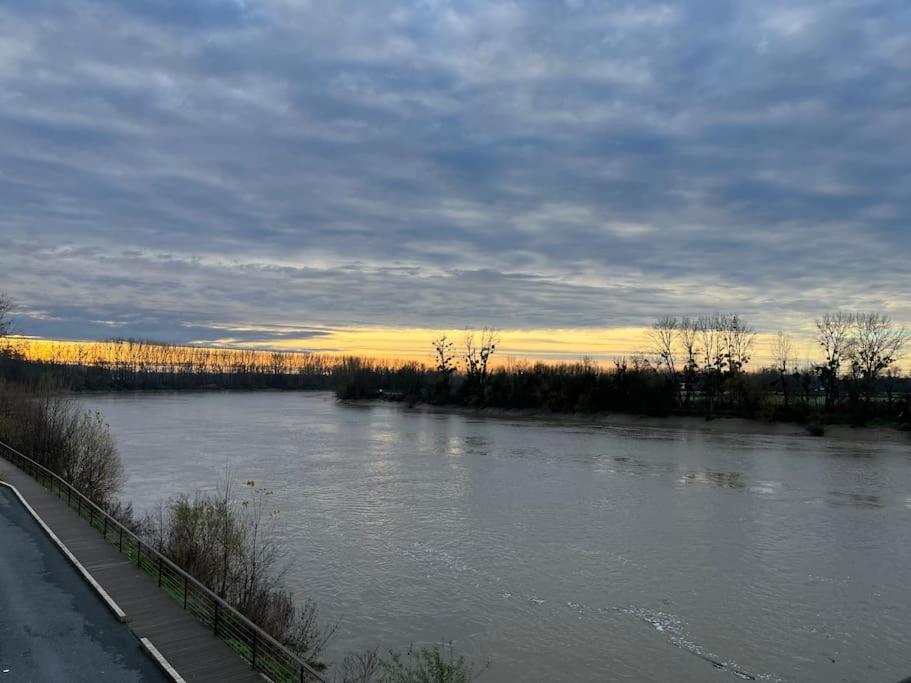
[(258, 648)]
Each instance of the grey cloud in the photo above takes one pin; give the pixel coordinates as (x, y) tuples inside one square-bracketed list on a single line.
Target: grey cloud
[(439, 164)]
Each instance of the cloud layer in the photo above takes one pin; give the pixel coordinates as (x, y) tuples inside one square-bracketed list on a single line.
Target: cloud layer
[(174, 167)]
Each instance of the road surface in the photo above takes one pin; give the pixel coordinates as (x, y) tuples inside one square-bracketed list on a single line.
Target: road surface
[(53, 626)]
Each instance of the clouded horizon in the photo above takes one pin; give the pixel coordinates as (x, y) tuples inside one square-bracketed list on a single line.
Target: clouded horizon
[(268, 171)]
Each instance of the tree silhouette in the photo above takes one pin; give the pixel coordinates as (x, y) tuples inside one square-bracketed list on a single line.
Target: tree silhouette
[(6, 307), (783, 360), (876, 345), (834, 337)]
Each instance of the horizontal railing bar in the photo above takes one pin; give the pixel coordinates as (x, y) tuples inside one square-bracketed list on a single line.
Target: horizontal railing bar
[(149, 551)]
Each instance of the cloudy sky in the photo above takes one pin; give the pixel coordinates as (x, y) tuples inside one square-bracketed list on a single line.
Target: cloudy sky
[(298, 172)]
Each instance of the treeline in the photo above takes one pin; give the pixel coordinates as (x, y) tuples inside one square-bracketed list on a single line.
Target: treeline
[(135, 364), (857, 378), (697, 366), (692, 366)]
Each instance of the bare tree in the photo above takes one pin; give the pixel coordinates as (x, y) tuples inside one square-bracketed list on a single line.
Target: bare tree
[(478, 352), (689, 331), (709, 340), (737, 339), (6, 308), (726, 345), (783, 362), (709, 335), (834, 336), (363, 667), (877, 345), (663, 341), (444, 356)]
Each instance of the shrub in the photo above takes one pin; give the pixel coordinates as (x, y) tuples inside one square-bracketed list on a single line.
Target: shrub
[(228, 543), (92, 463), (50, 427), (435, 664)]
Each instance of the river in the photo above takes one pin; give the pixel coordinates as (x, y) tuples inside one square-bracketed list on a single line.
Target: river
[(560, 550)]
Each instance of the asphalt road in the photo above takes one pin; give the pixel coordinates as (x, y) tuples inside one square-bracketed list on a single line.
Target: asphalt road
[(53, 627)]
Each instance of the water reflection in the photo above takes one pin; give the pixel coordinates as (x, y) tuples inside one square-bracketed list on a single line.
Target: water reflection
[(476, 445)]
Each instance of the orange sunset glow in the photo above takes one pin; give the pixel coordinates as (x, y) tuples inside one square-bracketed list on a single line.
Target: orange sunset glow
[(399, 345)]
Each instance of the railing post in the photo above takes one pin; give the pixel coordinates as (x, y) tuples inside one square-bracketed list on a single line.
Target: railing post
[(92, 516), (138, 553), (159, 571), (105, 527), (253, 658), (215, 620), (120, 541), (79, 506), (185, 591), (69, 496)]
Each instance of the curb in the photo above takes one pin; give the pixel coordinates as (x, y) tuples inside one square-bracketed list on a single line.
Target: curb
[(163, 663)]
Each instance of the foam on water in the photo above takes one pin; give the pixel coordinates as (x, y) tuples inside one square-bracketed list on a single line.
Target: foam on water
[(669, 625), (674, 629)]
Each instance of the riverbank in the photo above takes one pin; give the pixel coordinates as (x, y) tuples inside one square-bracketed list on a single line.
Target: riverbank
[(719, 425)]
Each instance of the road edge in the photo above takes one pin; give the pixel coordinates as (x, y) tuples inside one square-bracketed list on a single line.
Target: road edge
[(108, 600), (159, 658)]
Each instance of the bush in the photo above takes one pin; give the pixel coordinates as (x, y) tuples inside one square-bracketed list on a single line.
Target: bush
[(434, 664), (359, 668), (48, 426), (228, 544), (92, 463)]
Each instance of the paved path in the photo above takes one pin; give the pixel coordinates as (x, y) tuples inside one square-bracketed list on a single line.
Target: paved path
[(191, 649), (53, 626)]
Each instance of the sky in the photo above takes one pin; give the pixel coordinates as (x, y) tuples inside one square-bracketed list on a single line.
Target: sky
[(350, 176)]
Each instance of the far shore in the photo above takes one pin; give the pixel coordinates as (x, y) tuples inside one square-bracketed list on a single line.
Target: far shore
[(719, 425)]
